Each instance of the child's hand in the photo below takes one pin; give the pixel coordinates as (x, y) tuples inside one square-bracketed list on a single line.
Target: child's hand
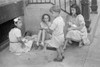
[(28, 37), (47, 30), (24, 40), (72, 28)]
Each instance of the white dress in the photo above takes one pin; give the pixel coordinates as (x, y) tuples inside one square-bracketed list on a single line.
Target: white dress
[(14, 45), (78, 35), (57, 37)]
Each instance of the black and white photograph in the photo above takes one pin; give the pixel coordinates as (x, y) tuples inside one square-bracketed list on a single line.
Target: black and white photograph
[(49, 33)]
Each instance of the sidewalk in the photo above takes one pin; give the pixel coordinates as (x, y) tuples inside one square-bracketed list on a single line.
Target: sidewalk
[(87, 56)]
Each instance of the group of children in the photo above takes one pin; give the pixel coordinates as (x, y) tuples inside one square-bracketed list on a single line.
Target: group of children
[(55, 31)]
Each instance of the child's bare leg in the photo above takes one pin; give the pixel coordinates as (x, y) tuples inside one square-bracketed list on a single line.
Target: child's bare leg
[(60, 56), (80, 44), (43, 37), (39, 37), (66, 43), (45, 46), (59, 52)]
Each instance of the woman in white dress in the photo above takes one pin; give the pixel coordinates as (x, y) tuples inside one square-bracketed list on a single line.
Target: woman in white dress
[(77, 30)]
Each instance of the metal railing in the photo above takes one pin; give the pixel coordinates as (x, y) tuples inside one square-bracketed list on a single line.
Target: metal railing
[(62, 3)]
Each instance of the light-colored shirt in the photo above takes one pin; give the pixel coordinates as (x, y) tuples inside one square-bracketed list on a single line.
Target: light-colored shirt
[(58, 26), (45, 26), (14, 34)]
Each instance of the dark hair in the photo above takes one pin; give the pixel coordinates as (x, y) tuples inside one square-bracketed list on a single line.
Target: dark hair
[(77, 9), (45, 15), (55, 8), (28, 33)]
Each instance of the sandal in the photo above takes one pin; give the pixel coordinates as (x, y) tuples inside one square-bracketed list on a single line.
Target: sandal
[(40, 47)]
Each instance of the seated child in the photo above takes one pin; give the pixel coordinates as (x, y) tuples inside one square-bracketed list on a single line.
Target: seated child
[(17, 43), (79, 32), (45, 24)]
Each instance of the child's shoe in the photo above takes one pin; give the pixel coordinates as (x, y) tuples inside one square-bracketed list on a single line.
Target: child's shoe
[(42, 43), (40, 47)]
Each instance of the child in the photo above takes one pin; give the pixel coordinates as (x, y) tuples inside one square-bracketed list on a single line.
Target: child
[(17, 42), (56, 29), (44, 25), (78, 32)]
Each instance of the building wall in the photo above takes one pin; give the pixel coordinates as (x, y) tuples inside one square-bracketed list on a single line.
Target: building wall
[(7, 1), (33, 15)]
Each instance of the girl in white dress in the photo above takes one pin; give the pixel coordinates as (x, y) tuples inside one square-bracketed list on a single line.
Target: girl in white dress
[(77, 30), (18, 44), (57, 31)]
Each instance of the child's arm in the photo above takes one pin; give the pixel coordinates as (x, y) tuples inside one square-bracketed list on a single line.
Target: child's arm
[(49, 30), (52, 27), (77, 28), (81, 22), (71, 28), (20, 40), (42, 26), (18, 35), (80, 27), (28, 37)]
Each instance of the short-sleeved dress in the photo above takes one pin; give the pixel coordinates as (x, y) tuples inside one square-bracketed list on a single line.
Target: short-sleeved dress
[(57, 37), (78, 35), (14, 45)]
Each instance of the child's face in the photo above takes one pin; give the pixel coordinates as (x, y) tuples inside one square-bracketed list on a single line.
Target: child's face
[(73, 10), (55, 14), (19, 24), (46, 18)]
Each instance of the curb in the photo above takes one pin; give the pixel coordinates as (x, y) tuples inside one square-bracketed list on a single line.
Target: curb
[(92, 34)]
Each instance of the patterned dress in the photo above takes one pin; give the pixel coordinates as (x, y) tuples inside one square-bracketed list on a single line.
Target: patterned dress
[(78, 35)]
